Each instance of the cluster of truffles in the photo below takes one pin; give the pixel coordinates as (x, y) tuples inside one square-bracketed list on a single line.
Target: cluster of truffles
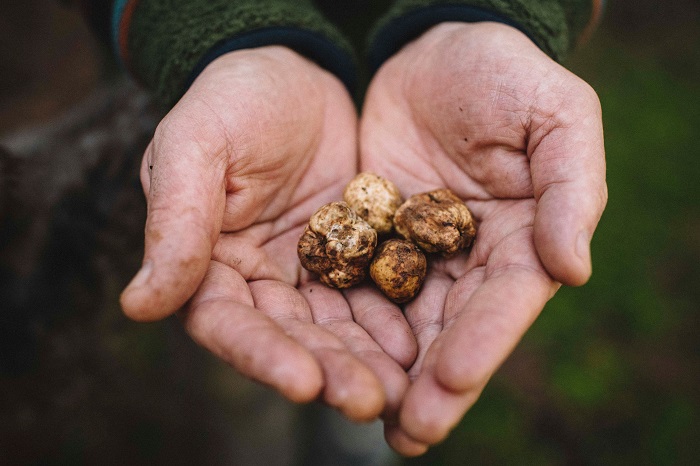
[(340, 241)]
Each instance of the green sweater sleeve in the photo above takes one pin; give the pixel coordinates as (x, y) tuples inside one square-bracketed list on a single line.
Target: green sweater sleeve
[(554, 25), (166, 43)]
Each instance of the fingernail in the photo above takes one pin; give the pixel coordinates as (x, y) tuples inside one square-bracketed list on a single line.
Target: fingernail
[(582, 246), (142, 276)]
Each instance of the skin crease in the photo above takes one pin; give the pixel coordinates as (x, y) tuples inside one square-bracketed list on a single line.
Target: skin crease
[(264, 137), (234, 171), (479, 109)]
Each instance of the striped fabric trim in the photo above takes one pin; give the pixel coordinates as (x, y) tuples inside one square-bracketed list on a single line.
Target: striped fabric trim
[(122, 13), (597, 8)]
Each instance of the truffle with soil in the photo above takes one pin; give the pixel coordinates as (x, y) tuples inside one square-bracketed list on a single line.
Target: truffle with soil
[(375, 199), (398, 269), (437, 221), (337, 245)]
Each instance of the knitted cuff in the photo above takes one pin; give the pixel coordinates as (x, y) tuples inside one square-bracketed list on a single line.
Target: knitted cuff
[(554, 25), (165, 44)]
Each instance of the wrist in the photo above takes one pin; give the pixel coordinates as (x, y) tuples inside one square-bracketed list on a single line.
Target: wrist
[(399, 30), (556, 26), (263, 67), (446, 45), (303, 44), (502, 35), (166, 44)]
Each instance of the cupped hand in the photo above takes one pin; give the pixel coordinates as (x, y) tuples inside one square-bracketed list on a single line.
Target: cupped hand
[(262, 139), (478, 108)]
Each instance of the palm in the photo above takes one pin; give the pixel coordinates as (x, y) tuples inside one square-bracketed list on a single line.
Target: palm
[(258, 253), (465, 107), (425, 129), (261, 140)]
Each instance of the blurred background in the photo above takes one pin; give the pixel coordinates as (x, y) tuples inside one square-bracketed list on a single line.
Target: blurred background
[(609, 373)]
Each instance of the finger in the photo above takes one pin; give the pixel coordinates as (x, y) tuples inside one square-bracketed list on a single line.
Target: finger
[(430, 410), (350, 386), (478, 336), (568, 174), (331, 311), (488, 325), (221, 318), (402, 443), (384, 322), (185, 204), (425, 314)]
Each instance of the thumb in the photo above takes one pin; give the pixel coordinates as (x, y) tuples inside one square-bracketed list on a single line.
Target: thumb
[(568, 172), (186, 196)]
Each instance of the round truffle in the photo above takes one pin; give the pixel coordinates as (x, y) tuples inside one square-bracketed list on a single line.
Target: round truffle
[(437, 221), (375, 199), (398, 269), (337, 245)]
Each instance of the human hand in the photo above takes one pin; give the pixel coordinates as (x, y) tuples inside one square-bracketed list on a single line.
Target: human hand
[(478, 108), (262, 139)]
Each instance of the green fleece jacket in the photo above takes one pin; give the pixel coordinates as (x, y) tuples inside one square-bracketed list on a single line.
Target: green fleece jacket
[(164, 44)]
